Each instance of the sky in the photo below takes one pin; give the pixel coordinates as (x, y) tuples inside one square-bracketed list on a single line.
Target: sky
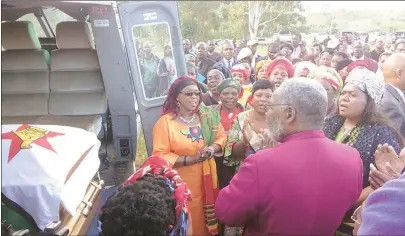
[(316, 6)]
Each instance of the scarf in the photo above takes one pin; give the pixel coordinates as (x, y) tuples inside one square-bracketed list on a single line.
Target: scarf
[(367, 81), (210, 121), (159, 167)]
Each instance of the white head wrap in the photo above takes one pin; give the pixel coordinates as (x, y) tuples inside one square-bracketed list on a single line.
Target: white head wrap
[(300, 66), (244, 52), (368, 82)]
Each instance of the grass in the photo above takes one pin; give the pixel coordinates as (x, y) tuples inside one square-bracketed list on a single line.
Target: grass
[(141, 153)]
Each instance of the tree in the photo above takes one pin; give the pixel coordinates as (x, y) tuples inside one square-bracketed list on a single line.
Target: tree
[(204, 20), (261, 13), (232, 18), (198, 19)]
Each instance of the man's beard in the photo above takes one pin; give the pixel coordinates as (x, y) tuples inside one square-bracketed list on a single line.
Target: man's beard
[(276, 129)]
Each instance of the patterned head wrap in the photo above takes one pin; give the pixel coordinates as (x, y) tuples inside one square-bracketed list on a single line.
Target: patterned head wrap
[(159, 167), (229, 83), (239, 68), (188, 56), (304, 68), (261, 63), (280, 63), (367, 82), (330, 75)]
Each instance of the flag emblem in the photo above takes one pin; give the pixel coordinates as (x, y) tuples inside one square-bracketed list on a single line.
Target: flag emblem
[(25, 136)]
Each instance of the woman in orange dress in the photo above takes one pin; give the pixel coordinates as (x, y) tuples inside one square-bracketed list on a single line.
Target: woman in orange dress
[(188, 135)]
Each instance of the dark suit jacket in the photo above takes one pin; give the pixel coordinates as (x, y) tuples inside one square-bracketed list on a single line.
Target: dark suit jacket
[(393, 106), (215, 56), (206, 65), (221, 66)]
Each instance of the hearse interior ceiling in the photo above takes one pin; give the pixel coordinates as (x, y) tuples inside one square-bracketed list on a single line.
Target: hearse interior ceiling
[(12, 10)]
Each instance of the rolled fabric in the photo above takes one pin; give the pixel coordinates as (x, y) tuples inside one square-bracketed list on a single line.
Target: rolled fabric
[(367, 81), (227, 83), (281, 63)]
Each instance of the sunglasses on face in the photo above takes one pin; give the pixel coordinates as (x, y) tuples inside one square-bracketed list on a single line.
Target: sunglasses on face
[(190, 94)]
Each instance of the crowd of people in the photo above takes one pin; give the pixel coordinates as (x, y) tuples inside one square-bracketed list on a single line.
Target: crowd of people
[(301, 141)]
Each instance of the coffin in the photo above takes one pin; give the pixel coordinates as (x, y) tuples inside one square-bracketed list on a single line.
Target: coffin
[(48, 178)]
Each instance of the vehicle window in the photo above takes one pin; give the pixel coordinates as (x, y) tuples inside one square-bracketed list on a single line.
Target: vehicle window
[(284, 32), (155, 58), (38, 28), (55, 16)]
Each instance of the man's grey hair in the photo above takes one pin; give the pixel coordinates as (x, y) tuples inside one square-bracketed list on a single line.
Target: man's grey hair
[(308, 97)]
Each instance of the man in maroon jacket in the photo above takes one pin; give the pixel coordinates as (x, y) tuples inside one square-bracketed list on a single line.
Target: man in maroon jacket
[(302, 186), (358, 55)]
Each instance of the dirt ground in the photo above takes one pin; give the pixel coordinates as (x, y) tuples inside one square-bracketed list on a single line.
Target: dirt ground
[(114, 173)]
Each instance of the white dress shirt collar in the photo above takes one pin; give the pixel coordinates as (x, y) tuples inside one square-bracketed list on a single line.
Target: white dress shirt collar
[(226, 61)]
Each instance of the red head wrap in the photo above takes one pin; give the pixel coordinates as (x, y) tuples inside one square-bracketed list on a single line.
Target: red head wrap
[(280, 63), (240, 69), (170, 105), (367, 64)]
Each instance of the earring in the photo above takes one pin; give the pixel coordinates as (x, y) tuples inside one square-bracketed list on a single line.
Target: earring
[(178, 103)]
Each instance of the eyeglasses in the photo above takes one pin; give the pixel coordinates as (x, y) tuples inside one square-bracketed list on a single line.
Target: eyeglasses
[(190, 94), (355, 215), (273, 105)]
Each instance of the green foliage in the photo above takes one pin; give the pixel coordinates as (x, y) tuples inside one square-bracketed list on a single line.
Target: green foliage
[(204, 20), (233, 18), (198, 19), (291, 19), (156, 34)]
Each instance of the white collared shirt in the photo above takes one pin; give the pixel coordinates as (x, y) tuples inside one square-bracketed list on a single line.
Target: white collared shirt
[(297, 52), (226, 62), (358, 59)]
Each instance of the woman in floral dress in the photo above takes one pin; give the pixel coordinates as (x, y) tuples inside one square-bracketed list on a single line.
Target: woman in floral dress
[(244, 137), (229, 108)]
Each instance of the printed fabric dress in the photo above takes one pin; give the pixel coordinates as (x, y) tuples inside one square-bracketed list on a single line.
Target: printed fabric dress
[(172, 140), (235, 135)]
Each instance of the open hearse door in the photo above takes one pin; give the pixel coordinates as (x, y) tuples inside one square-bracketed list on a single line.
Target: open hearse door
[(155, 25)]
